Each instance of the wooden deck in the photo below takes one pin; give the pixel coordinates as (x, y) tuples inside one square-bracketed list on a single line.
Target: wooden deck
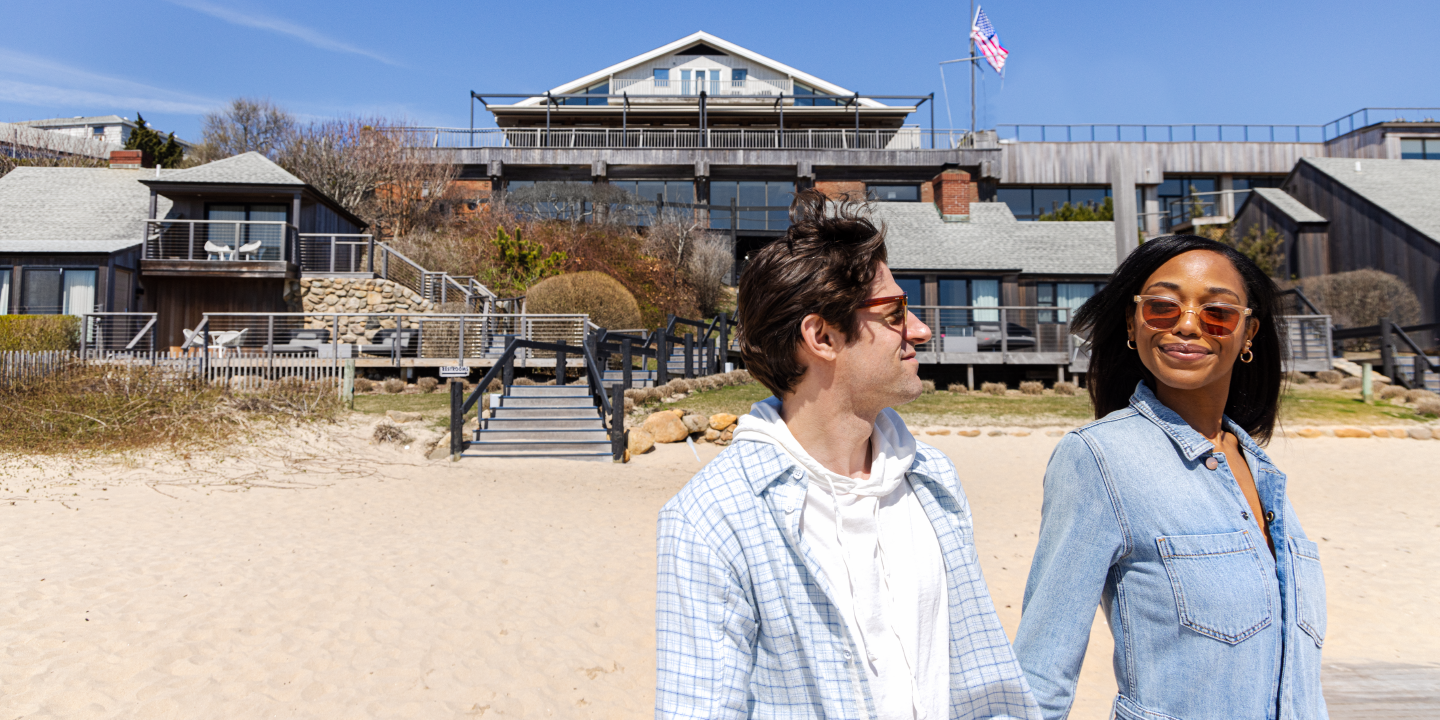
[(1372, 691)]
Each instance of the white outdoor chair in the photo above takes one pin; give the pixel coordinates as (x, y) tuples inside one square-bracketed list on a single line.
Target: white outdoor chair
[(248, 251), (217, 250), (227, 340)]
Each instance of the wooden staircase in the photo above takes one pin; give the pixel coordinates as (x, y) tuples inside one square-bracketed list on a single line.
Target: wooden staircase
[(556, 421)]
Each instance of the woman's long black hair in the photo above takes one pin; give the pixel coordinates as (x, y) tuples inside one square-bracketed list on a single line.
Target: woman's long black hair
[(1115, 369)]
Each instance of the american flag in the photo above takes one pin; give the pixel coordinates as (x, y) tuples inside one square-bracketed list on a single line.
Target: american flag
[(983, 33)]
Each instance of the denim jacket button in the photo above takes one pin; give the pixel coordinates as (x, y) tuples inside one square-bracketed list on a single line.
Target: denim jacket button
[(1212, 463)]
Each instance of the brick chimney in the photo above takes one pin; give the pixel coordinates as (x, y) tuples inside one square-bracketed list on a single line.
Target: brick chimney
[(130, 160), (953, 193)]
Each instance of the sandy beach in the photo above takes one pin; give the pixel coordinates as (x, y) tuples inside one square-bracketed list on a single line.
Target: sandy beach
[(317, 576)]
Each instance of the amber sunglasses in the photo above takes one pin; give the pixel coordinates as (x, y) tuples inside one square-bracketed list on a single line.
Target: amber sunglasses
[(1218, 320), (897, 318)]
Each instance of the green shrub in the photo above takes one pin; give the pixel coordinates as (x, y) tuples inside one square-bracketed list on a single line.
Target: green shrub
[(593, 293), (38, 333)]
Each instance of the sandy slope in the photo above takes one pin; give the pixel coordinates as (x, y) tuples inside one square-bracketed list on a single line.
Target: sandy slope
[(317, 576)]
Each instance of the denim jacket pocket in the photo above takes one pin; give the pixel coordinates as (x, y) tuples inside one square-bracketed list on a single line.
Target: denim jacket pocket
[(1219, 584), (1127, 709), (1309, 581)]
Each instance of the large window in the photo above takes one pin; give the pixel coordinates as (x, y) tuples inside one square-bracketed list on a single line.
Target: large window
[(600, 89), (252, 241), (57, 291), (1069, 296), (894, 193), (660, 77), (802, 90), (968, 292), (1420, 149), (1029, 203), (913, 287), (1179, 201), (752, 194)]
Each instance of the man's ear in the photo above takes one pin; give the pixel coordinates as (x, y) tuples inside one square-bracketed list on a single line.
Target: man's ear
[(820, 338)]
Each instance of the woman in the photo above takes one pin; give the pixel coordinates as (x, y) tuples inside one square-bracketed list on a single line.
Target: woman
[(1166, 512)]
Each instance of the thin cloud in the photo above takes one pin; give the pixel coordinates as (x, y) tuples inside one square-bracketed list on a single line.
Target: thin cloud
[(31, 80), (283, 27)]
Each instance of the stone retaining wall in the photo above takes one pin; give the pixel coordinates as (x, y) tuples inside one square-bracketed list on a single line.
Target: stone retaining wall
[(359, 295)]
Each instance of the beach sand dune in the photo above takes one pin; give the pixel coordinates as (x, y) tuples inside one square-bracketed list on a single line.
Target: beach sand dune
[(316, 576)]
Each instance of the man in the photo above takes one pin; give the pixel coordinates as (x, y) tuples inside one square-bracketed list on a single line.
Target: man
[(823, 566)]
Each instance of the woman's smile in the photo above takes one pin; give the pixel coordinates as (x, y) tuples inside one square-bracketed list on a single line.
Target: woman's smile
[(1185, 352)]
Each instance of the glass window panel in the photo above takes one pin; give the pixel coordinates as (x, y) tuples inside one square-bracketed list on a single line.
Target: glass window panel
[(270, 237), (914, 289), (1412, 149), (752, 194), (40, 294), (1199, 185), (1018, 199), (739, 76), (684, 82), (5, 291), (660, 77), (985, 293), (896, 193), (779, 194), (1171, 188), (1081, 196), (680, 191), (954, 292), (721, 193), (1432, 149), (648, 190), (1049, 199), (1072, 296), (223, 235), (79, 292), (1045, 294)]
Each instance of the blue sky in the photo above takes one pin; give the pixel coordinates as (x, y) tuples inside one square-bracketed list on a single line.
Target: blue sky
[(1233, 61)]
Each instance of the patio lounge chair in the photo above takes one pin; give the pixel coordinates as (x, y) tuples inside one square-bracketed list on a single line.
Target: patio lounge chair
[(387, 342), (248, 251), (217, 252), (304, 341)]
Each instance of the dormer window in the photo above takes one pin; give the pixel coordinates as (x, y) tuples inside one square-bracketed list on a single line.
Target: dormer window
[(661, 77), (737, 78)]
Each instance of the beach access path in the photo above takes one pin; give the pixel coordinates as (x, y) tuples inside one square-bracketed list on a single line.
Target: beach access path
[(313, 575)]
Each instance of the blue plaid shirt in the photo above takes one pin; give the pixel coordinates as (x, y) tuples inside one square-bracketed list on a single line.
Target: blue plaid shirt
[(745, 627)]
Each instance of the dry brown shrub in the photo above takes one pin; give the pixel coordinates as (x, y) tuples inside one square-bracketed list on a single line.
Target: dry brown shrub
[(1359, 298), (393, 386), (364, 385), (1066, 388), (1032, 387), (927, 386), (387, 432), (427, 384), (958, 388), (39, 333), (991, 388), (522, 380), (1331, 377), (1428, 406), (1350, 383), (1416, 395), (1390, 392), (596, 294), (1297, 378)]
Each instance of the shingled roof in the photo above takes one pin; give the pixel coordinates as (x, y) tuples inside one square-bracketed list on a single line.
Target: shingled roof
[(73, 210), (1407, 189), (249, 168), (1292, 208), (992, 240)]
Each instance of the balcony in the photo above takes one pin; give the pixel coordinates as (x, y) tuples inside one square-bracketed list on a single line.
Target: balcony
[(714, 88), (235, 248), (910, 137)]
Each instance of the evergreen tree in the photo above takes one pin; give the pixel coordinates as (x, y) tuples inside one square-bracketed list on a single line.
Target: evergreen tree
[(1084, 212), (166, 152)]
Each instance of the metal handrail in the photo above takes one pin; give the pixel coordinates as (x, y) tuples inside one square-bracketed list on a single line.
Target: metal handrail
[(157, 232), (909, 137)]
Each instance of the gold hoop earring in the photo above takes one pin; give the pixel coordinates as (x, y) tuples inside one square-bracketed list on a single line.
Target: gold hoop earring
[(1247, 352), (1130, 344)]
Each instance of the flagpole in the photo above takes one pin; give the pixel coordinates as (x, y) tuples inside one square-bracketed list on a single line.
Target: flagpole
[(971, 33)]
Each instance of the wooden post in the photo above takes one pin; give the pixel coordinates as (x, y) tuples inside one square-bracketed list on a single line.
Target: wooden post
[(724, 353), (619, 437), (1367, 383), (662, 359), (347, 386), (507, 375), (1122, 189), (1387, 350), (689, 356), (457, 419), (370, 253), (560, 365), (626, 351)]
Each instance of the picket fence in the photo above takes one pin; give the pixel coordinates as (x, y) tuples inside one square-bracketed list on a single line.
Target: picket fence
[(239, 373)]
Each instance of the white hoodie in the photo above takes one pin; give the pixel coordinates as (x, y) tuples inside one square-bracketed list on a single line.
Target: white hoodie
[(879, 554)]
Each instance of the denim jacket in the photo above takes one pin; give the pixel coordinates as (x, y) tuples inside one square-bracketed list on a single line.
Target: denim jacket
[(1207, 623), (745, 624)]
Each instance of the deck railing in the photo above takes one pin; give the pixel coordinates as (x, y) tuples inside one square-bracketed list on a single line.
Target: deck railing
[(109, 333), (387, 337), (995, 329), (221, 240), (336, 252), (903, 138)]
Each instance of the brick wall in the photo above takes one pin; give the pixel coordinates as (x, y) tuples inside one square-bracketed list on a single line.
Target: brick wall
[(841, 190), (130, 159), (953, 192)]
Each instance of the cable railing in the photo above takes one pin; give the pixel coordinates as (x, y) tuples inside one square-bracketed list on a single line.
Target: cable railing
[(977, 329), (1213, 132), (909, 137), (109, 333), (221, 240), (336, 252), (382, 338)]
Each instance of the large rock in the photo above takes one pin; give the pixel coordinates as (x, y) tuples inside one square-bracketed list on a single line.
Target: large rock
[(721, 421), (711, 435), (665, 427), (695, 423), (1350, 432), (640, 443)]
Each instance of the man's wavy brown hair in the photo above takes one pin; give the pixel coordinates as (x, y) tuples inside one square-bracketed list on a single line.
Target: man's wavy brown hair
[(824, 264)]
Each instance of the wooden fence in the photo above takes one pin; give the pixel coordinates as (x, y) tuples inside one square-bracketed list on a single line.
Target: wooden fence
[(239, 373)]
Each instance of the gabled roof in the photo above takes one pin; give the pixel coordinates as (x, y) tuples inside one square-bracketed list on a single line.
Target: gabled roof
[(73, 210), (249, 168), (89, 120), (700, 38), (1407, 189), (917, 238), (1283, 202)]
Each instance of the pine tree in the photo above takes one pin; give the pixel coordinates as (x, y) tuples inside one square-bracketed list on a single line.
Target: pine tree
[(166, 152)]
